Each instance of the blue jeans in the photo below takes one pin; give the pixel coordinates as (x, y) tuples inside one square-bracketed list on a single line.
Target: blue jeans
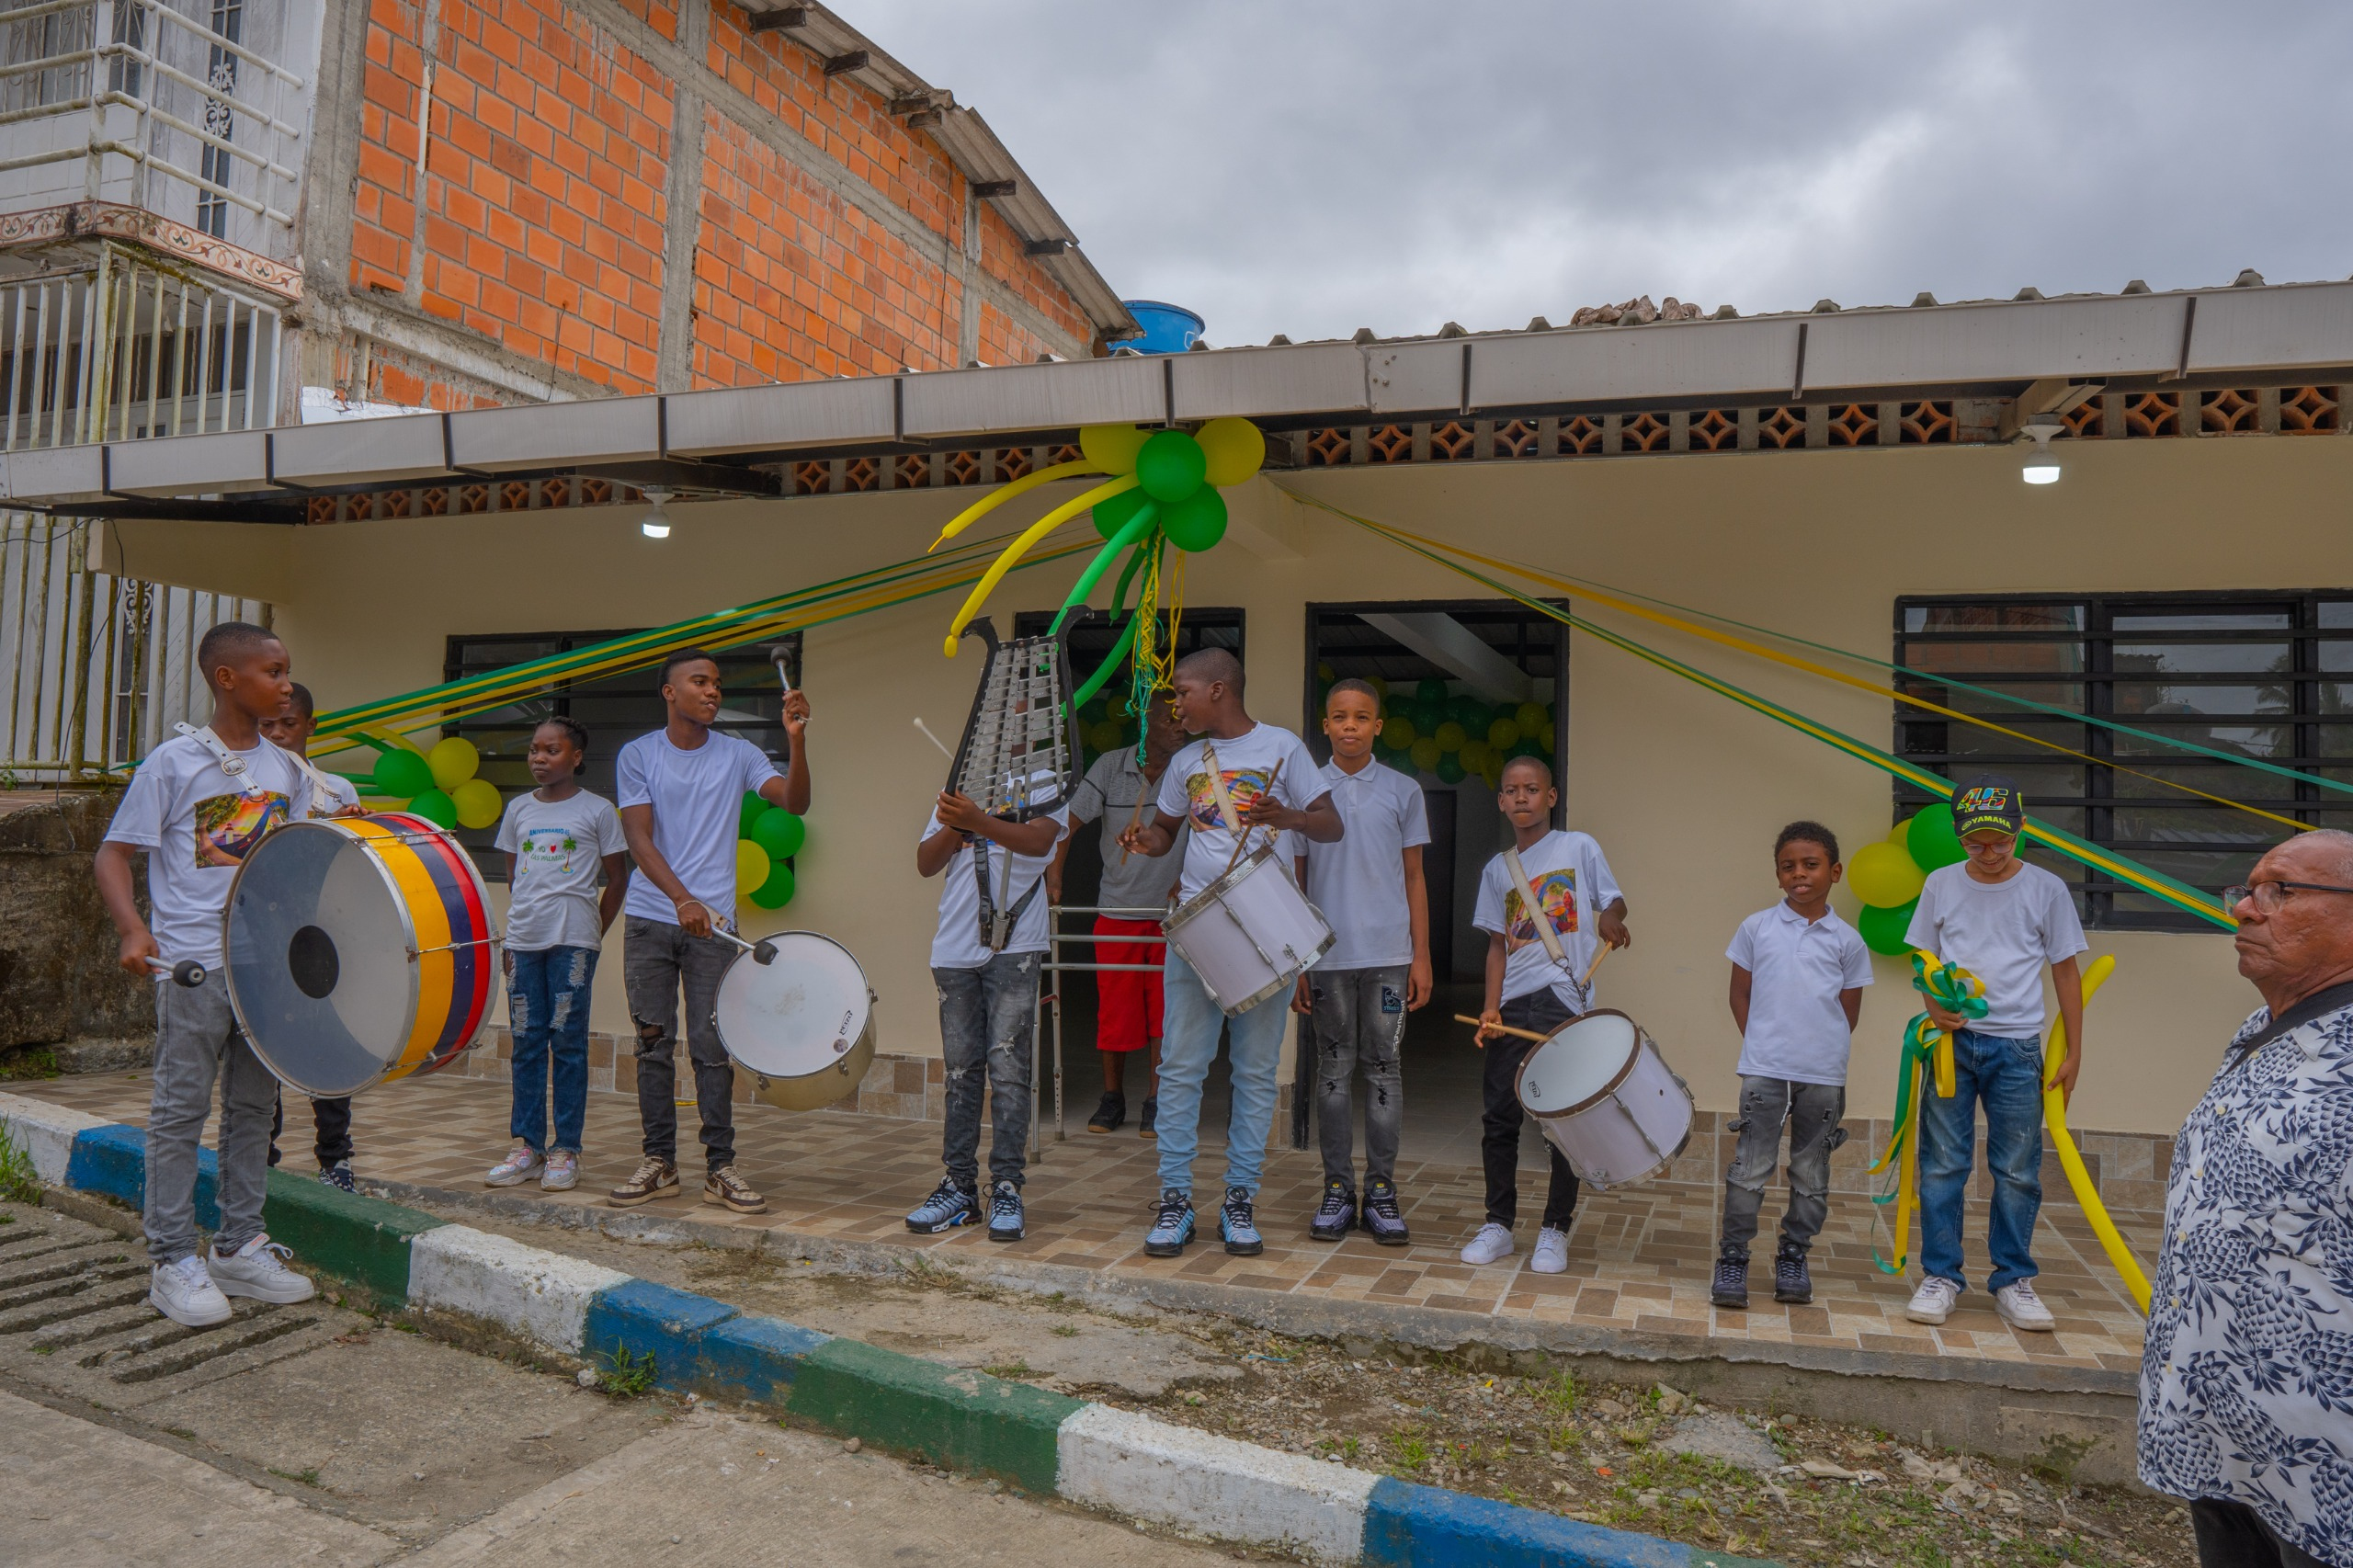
[(1189, 1024), (2008, 1075), (547, 1009)]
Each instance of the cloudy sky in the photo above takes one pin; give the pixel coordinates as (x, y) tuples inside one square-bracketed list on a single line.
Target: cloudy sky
[(1311, 167)]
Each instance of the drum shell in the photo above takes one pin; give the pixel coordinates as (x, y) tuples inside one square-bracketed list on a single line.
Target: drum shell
[(1632, 1127), (1250, 934), (758, 1000)]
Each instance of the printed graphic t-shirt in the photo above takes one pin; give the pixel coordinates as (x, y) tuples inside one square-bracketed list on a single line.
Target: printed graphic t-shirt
[(958, 943), (198, 825), (2003, 933), (1574, 884), (1247, 763), (697, 800), (1360, 882), (558, 847)]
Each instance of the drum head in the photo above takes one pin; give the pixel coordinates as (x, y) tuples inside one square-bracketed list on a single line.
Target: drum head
[(318, 961), (799, 1015), (1578, 1063)]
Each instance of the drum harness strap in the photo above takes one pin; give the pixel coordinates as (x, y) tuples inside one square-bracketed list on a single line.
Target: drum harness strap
[(997, 919), (234, 767), (1532, 896)]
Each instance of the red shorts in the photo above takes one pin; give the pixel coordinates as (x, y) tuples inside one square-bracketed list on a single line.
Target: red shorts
[(1127, 1006)]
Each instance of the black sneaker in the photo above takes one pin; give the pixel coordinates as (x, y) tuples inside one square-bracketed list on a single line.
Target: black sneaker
[(338, 1176), (1151, 1114), (1792, 1283), (1730, 1287), (1110, 1114), (1336, 1215), (1238, 1225), (1380, 1217)]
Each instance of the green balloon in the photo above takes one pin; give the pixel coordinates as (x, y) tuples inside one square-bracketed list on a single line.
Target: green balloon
[(777, 891), (1450, 768), (779, 832), (1171, 466), (1932, 840), (1111, 516), (748, 813), (1882, 929), (405, 775), (436, 807), (1429, 689), (1196, 523), (1469, 712)]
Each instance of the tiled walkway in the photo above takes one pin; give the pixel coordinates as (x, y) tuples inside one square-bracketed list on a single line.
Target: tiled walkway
[(1638, 1258)]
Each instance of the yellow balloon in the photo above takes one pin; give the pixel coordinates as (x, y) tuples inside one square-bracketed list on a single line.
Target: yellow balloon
[(477, 801), (1530, 717), (1399, 733), (752, 865), (1450, 736), (1472, 754), (453, 761), (1234, 448), (1425, 753), (1504, 733), (1901, 835), (1112, 448), (1884, 876)]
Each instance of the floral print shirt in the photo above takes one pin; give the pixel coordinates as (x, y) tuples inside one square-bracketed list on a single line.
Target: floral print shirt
[(2246, 1377)]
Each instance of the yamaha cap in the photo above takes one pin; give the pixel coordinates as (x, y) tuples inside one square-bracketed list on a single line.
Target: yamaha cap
[(1988, 800)]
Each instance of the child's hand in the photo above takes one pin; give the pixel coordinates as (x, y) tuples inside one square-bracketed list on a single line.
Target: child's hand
[(959, 813), (1491, 1024), (796, 712), (1612, 926), (1420, 985), (1302, 997), (138, 947), (1942, 1017), (693, 916), (2065, 1077)]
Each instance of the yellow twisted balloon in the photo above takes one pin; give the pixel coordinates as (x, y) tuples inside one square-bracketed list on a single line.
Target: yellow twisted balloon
[(1014, 551)]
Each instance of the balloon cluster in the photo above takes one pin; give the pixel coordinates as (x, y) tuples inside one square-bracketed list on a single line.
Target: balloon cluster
[(767, 838), (1453, 736), (1887, 875), (438, 785)]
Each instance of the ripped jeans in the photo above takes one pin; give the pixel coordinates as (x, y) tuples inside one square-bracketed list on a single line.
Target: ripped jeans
[(547, 1009), (1359, 1026), (1811, 1113), (988, 1018)]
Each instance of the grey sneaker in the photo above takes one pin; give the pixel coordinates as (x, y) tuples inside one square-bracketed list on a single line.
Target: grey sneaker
[(258, 1270), (1172, 1225), (1336, 1215), (1238, 1225), (1730, 1286), (1004, 1212), (1379, 1214), (1792, 1281), (521, 1163), (948, 1207), (563, 1173)]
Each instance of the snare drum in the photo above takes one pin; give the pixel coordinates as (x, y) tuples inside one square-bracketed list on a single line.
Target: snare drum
[(360, 949), (802, 1025), (1607, 1098), (1250, 933)]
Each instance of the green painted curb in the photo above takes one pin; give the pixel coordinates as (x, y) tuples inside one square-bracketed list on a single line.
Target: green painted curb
[(362, 1240), (956, 1418)]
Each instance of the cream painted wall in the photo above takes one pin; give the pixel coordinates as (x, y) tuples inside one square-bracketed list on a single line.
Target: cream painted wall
[(1683, 789)]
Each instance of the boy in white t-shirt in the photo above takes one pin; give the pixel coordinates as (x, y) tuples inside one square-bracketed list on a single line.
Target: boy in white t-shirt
[(986, 959), (1798, 973), (1536, 984), (198, 806), (1370, 886), (1260, 779), (2002, 920)]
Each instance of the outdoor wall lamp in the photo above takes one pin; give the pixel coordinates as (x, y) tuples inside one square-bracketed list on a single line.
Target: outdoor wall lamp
[(2042, 466), (656, 523)]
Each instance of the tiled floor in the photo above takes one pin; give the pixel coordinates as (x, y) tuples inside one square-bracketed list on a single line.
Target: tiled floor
[(1638, 1258)]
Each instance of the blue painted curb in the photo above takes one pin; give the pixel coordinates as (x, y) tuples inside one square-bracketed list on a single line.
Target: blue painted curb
[(113, 1161), (754, 1357), (1409, 1526), (646, 1319)]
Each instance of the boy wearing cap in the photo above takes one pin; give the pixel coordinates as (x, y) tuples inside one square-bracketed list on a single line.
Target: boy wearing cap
[(2002, 920)]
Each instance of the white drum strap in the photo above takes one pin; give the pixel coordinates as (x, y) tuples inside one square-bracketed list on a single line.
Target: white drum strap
[(1225, 810), (228, 761), (1534, 899), (322, 803)]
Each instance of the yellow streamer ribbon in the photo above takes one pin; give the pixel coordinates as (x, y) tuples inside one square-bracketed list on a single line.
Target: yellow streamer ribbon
[(999, 497), (1014, 551), (2054, 1117)]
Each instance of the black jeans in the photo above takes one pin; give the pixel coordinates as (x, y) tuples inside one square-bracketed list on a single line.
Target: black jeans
[(2232, 1535), (1499, 1122), (987, 1019), (333, 1144), (1811, 1112), (658, 959)]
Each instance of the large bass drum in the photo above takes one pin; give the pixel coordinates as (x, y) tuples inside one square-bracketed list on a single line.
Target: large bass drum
[(1607, 1098), (1250, 933), (360, 949), (802, 1025)]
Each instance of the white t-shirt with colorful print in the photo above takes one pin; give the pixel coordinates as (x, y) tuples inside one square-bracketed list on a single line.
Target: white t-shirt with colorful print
[(1247, 763), (198, 825), (559, 846), (1574, 884)]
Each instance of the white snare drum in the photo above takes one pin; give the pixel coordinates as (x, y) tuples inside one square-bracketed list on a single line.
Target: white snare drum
[(1250, 933), (1607, 1098), (803, 1024)]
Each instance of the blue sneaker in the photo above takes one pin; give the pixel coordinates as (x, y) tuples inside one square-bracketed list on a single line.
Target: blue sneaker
[(1004, 1212), (1238, 1226), (1173, 1227), (948, 1207)]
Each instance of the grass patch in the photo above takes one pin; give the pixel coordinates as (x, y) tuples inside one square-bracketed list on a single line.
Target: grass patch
[(1011, 1372), (18, 1183), (1064, 1331), (307, 1477), (627, 1374), (30, 1062)]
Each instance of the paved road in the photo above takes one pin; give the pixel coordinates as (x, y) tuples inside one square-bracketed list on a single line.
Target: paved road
[(316, 1435)]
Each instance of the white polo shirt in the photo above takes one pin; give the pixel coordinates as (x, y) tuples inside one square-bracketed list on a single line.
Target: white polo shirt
[(1797, 1030), (1360, 882)]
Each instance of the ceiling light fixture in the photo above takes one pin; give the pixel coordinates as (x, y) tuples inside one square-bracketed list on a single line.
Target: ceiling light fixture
[(2041, 465), (656, 522)]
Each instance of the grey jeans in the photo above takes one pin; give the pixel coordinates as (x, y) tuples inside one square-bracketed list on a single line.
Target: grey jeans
[(987, 1019), (1360, 1024), (197, 1040), (658, 959), (1812, 1112)]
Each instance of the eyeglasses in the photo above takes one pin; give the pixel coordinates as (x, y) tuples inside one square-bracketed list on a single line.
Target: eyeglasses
[(2268, 897)]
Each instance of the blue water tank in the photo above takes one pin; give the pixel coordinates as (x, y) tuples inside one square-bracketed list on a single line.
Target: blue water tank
[(1167, 329)]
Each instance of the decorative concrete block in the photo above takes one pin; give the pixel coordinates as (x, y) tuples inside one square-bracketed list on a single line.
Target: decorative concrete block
[(541, 1295)]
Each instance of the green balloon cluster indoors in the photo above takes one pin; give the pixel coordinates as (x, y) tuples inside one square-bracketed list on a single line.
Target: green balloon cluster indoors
[(1887, 875), (1431, 729)]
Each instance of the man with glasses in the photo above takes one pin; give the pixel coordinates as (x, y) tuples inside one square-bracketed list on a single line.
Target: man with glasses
[(2246, 1373)]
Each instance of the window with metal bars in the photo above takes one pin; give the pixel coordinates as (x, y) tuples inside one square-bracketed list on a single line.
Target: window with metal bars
[(221, 76), (2261, 676)]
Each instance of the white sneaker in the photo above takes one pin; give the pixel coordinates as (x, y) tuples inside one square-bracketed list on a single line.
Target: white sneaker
[(258, 1270), (563, 1172), (1552, 1252), (521, 1163), (1933, 1302), (1493, 1243), (2021, 1308), (185, 1293)]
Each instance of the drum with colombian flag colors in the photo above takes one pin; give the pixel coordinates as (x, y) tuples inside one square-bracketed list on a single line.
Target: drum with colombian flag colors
[(360, 949)]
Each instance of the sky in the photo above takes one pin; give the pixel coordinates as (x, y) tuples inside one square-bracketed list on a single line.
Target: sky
[(1313, 166)]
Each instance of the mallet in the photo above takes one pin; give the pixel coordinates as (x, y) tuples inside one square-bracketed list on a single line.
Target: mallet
[(187, 972), (762, 952)]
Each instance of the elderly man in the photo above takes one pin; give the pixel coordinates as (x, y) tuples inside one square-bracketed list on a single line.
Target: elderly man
[(2247, 1383)]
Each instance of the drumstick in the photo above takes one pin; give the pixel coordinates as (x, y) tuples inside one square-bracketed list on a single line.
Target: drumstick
[(1501, 1028), (935, 740), (1585, 984), (1134, 817)]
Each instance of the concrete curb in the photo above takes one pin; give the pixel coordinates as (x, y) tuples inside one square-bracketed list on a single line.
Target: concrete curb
[(1047, 1443)]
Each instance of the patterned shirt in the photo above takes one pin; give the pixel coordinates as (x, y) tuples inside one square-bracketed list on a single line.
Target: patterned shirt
[(2246, 1379)]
